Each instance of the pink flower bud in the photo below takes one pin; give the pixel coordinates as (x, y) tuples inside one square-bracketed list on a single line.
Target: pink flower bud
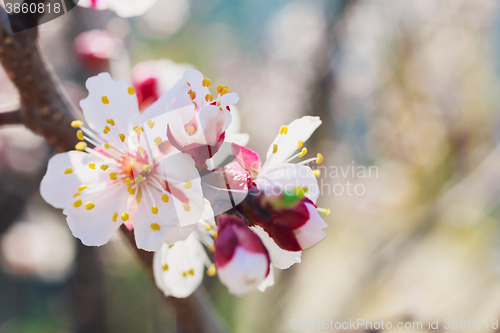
[(95, 48), (240, 256), (297, 228)]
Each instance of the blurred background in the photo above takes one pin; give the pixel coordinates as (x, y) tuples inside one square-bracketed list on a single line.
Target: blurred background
[(408, 89)]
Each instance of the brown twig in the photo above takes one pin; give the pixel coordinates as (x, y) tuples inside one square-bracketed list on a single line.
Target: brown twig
[(46, 110)]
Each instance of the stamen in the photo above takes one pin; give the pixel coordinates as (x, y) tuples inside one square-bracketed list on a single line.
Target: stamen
[(157, 140), (81, 146), (219, 88), (138, 130), (209, 98), (224, 91), (113, 176), (300, 144), (187, 184), (165, 267), (104, 167), (107, 145), (150, 124), (190, 130), (192, 94), (317, 173), (92, 165), (154, 209), (131, 90), (146, 167), (77, 203), (76, 123), (139, 179), (275, 148), (82, 187), (206, 82), (89, 205), (122, 137), (130, 190), (209, 227), (110, 121), (155, 226), (79, 135), (141, 149), (105, 100), (106, 129), (127, 181), (164, 198), (115, 217), (68, 171), (303, 152), (211, 271), (323, 210), (283, 130), (211, 248), (186, 207), (124, 216), (319, 158), (77, 194), (191, 272)]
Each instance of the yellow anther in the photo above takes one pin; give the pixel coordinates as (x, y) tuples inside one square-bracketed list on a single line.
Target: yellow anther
[(209, 98), (113, 176), (141, 149), (191, 272), (303, 152), (155, 226), (139, 179), (211, 248), (138, 130), (157, 140), (219, 88), (187, 184), (107, 145), (106, 129), (105, 100), (317, 173), (326, 211), (131, 90), (195, 106), (171, 246), (82, 187), (110, 121), (77, 203), (122, 137), (215, 235), (76, 123), (184, 274), (79, 135), (300, 144), (190, 130), (283, 130), (164, 198), (206, 82), (124, 216), (186, 207), (89, 205), (130, 190), (68, 171), (77, 194), (209, 227), (224, 91), (81, 146), (104, 167), (165, 267), (319, 158), (127, 181), (92, 165), (151, 124), (146, 167), (115, 217), (211, 271), (154, 209), (192, 94), (275, 148), (189, 84)]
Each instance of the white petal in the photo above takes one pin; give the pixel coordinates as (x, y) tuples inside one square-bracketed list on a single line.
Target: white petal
[(298, 130), (268, 282), (240, 139), (58, 188), (182, 177), (180, 259), (289, 177), (245, 272), (235, 126), (280, 258), (123, 107), (95, 227), (311, 233)]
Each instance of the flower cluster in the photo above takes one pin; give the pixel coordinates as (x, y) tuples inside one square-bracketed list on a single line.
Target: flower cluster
[(170, 174)]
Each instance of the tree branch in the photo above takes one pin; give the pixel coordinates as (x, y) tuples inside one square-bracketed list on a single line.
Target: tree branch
[(10, 118), (46, 110)]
